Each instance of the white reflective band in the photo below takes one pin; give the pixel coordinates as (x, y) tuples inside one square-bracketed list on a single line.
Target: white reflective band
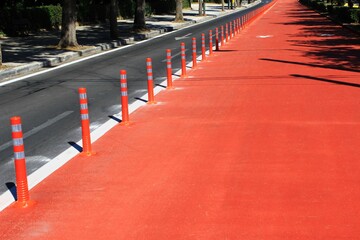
[(148, 63), (124, 94), (150, 77), (122, 76), (168, 54), (182, 57), (169, 65), (82, 95), (194, 50), (19, 155), (123, 85), (149, 70), (16, 128), (18, 142), (84, 116), (83, 106)]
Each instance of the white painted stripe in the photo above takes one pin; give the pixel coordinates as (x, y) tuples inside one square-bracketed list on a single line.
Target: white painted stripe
[(16, 128), (19, 155), (39, 128)]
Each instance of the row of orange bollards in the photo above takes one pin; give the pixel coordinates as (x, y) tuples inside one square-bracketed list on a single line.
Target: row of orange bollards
[(231, 29)]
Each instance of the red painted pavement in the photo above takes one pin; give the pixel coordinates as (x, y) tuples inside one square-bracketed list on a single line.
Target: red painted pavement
[(261, 141)]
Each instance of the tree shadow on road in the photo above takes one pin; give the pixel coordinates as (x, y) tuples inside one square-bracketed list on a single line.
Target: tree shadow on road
[(323, 41)]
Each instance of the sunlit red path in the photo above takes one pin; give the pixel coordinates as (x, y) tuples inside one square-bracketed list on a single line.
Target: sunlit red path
[(261, 141)]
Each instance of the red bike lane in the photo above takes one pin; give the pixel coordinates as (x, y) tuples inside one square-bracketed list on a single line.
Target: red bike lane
[(260, 141)]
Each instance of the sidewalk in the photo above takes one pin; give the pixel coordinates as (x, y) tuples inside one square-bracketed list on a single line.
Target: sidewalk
[(23, 55), (259, 142)]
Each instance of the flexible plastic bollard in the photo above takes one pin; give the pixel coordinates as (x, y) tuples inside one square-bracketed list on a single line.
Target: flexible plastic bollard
[(210, 42), (124, 98), (22, 189), (85, 123), (150, 81), (194, 52), (217, 39), (235, 27), (227, 32), (168, 69), (183, 60), (203, 49), (222, 35), (231, 31)]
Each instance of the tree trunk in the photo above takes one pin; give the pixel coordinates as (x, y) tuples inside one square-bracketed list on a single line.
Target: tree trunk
[(179, 14), (139, 21), (0, 55), (200, 7), (68, 25), (114, 33), (222, 5)]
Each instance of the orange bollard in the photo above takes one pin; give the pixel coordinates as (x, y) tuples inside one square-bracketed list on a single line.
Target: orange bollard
[(210, 42), (22, 189), (124, 98), (222, 35), (194, 52), (227, 32), (216, 39), (231, 31), (85, 123), (183, 60), (235, 28), (203, 49), (151, 98), (168, 69)]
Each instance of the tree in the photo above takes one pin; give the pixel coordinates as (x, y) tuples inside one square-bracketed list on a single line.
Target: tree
[(68, 25), (139, 20), (200, 7), (0, 55), (222, 5), (114, 33), (179, 14)]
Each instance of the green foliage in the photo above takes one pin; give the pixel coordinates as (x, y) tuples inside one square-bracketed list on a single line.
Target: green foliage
[(330, 9), (163, 6), (19, 21), (44, 17), (340, 2), (345, 14), (355, 15), (340, 12), (127, 8)]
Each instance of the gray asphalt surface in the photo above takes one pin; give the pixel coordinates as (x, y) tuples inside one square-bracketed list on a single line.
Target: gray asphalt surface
[(48, 103)]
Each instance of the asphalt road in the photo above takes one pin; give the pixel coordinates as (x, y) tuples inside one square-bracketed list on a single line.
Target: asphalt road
[(49, 106)]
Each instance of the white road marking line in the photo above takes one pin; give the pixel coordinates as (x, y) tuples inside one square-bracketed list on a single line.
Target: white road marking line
[(183, 37), (175, 55)]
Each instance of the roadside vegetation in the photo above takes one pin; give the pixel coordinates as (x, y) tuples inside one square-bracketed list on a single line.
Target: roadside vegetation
[(22, 18), (344, 11)]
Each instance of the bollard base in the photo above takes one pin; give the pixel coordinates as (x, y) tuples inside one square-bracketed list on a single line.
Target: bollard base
[(151, 102), (87, 154), (24, 204), (127, 123)]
